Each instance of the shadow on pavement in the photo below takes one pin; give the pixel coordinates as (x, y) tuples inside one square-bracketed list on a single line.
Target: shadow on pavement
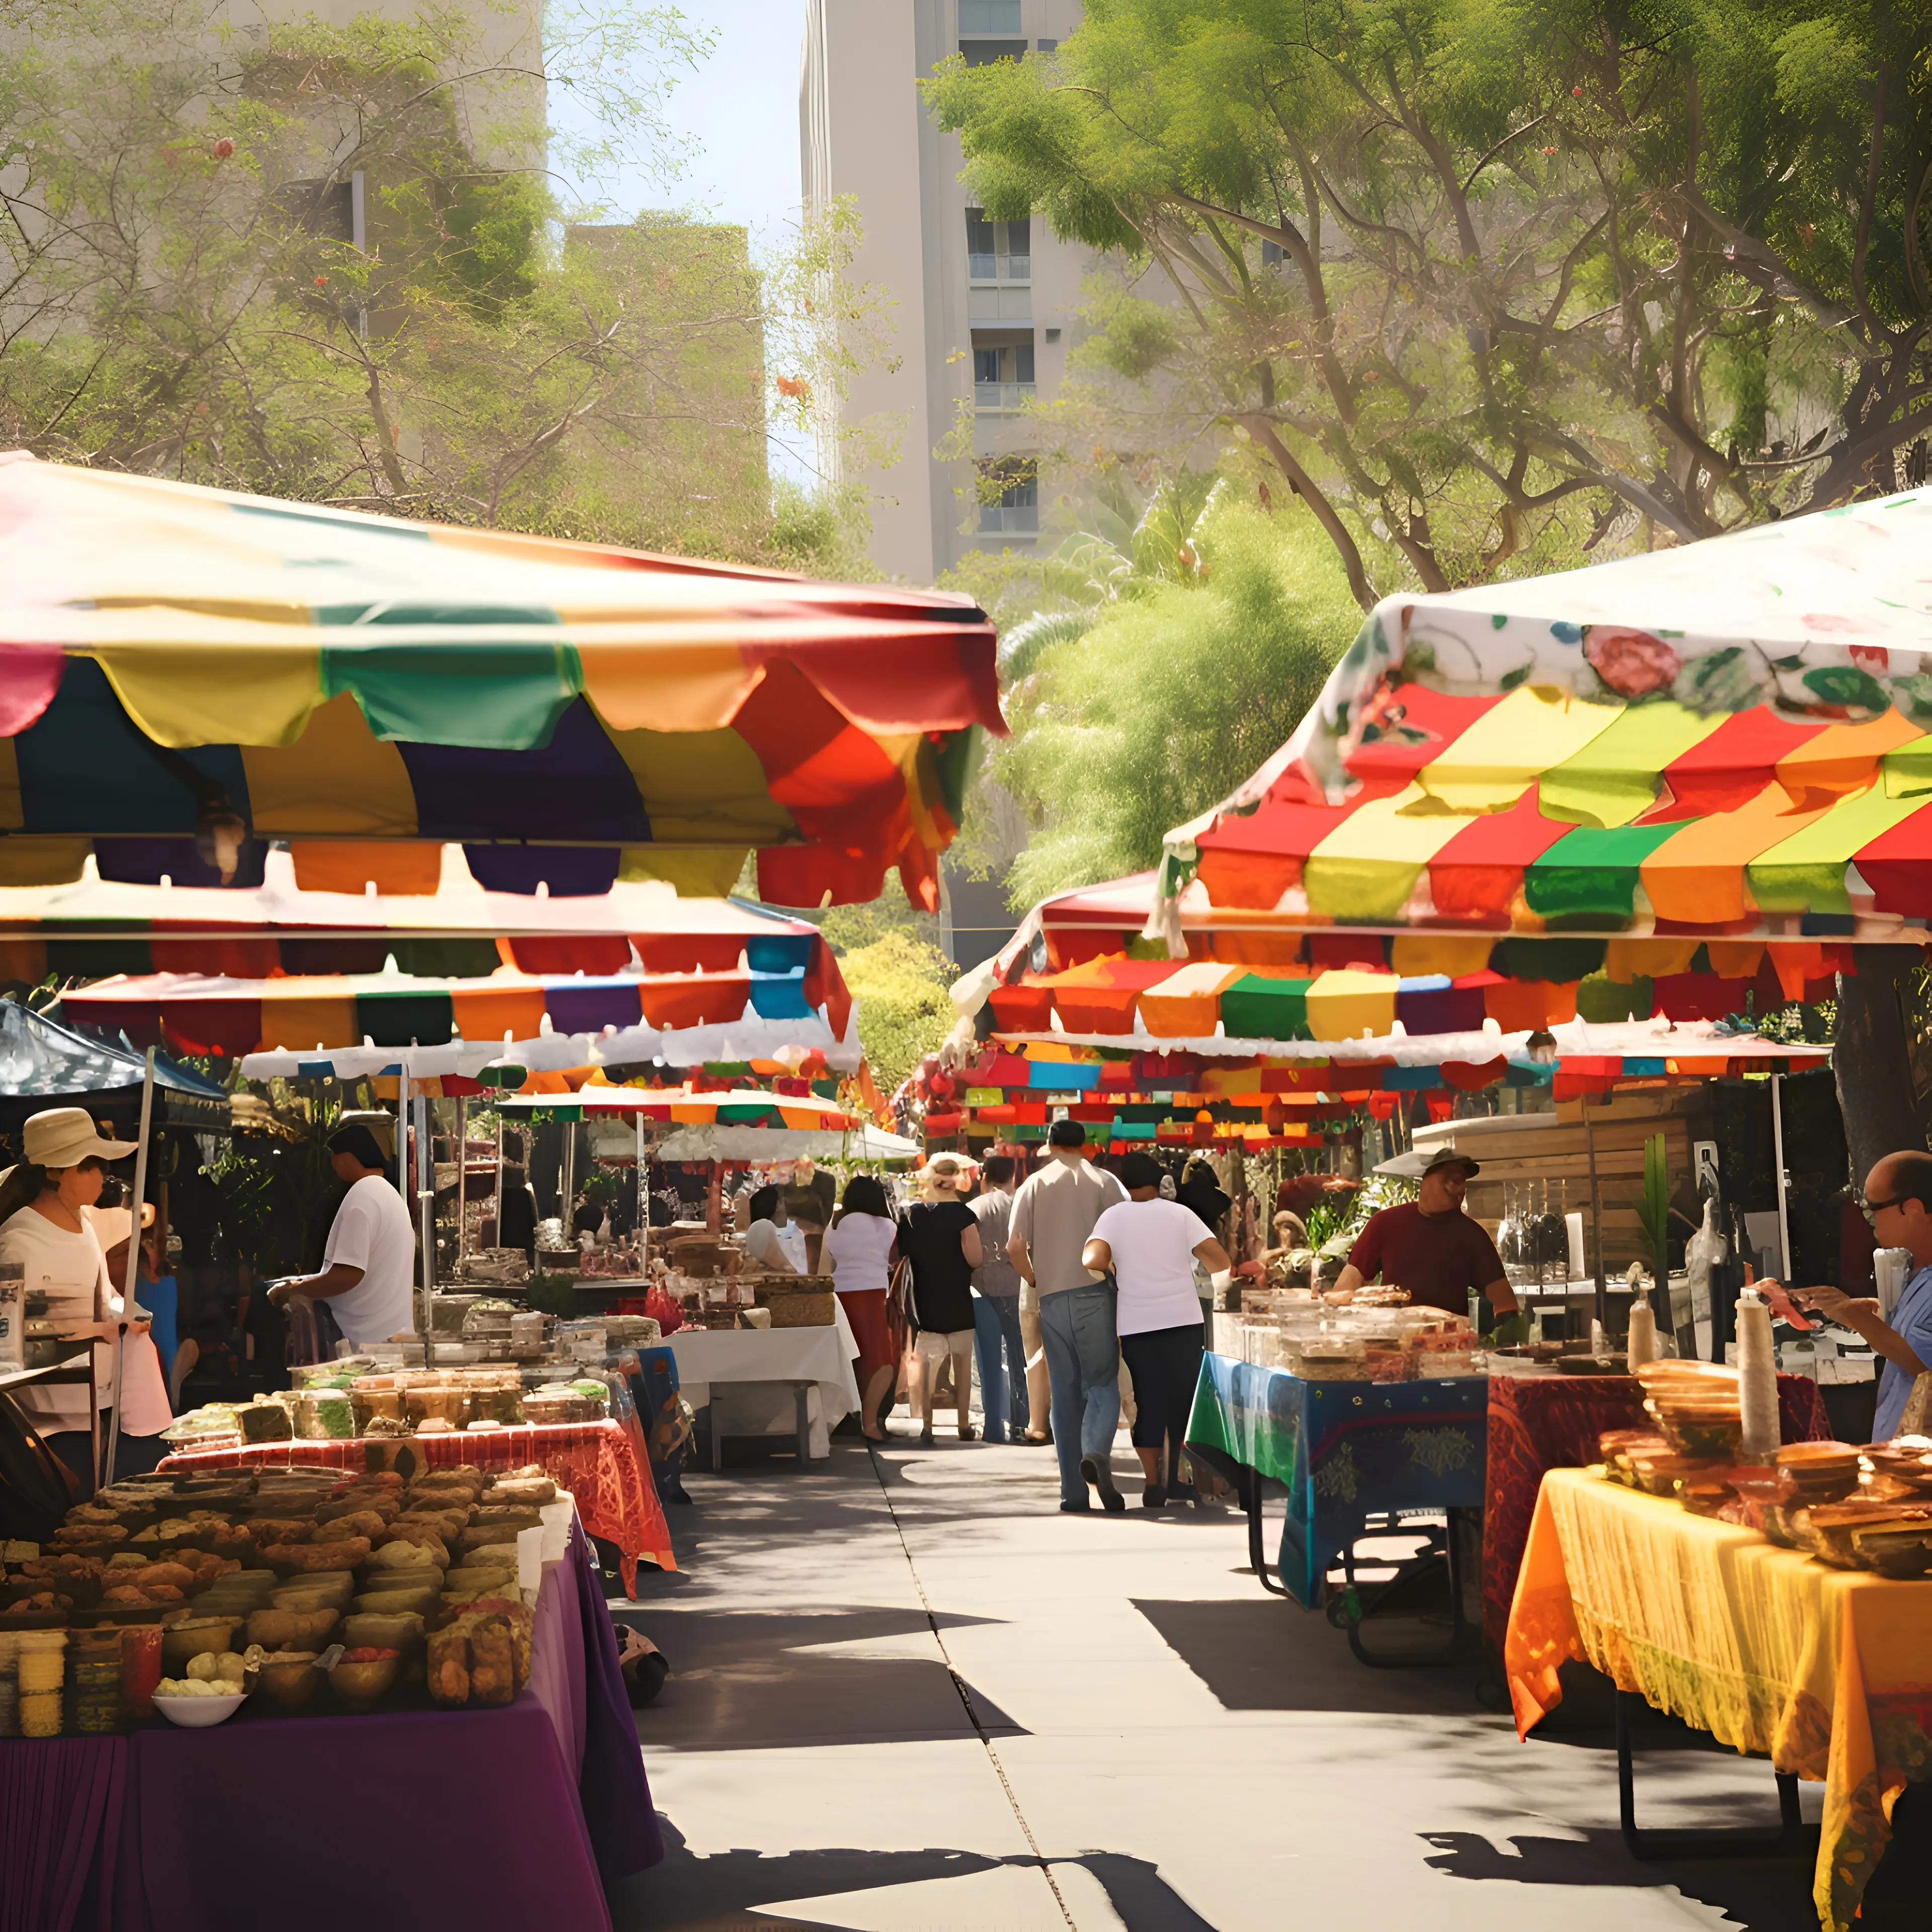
[(744, 1680), (723, 1893), (1269, 1655)]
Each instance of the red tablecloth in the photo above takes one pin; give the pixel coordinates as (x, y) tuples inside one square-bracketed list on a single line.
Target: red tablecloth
[(496, 1820), (1552, 1422), (603, 1464)]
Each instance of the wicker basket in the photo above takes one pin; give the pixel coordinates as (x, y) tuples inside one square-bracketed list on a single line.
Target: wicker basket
[(804, 1301)]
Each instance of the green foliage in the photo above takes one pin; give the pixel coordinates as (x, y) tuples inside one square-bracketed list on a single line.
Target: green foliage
[(1497, 284), (900, 983), (1181, 684)]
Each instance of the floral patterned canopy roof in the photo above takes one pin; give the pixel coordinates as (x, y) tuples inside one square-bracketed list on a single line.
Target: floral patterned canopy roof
[(1729, 740)]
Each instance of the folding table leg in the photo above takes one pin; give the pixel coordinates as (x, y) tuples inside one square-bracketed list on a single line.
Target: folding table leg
[(717, 1438), (801, 1392), (1702, 1842)]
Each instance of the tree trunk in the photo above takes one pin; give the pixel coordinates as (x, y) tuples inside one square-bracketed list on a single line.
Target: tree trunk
[(1869, 1059)]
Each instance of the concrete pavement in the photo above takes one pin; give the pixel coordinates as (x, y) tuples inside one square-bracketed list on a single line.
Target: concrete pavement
[(908, 1694)]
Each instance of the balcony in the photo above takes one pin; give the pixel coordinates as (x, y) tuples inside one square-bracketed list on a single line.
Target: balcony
[(1001, 398), (1011, 520)]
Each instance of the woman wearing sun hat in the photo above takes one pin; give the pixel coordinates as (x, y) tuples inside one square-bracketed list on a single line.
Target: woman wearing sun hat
[(44, 1228)]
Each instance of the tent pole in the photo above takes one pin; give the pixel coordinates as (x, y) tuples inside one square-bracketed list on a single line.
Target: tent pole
[(425, 1220), (1596, 1222), (1778, 1156), (644, 1202), (462, 1182), (134, 1262)]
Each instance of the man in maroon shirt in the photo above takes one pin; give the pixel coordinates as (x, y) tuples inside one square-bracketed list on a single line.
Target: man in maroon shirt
[(1429, 1246)]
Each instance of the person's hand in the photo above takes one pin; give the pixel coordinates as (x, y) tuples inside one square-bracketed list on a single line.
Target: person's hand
[(1510, 1329), (279, 1294), (1833, 1304)]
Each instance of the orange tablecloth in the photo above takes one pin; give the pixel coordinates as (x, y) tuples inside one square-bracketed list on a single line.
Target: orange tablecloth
[(1829, 1672), (603, 1464)]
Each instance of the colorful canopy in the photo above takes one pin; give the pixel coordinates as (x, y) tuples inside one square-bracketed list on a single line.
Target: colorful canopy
[(631, 1017), (182, 668), (92, 929), (737, 1125), (1724, 743), (734, 1107), (1077, 970), (1198, 1092)]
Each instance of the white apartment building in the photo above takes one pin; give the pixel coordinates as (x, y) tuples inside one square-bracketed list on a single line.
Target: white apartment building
[(981, 309)]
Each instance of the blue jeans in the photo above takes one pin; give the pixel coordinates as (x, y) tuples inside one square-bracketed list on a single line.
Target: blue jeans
[(996, 1339), (1083, 1371)]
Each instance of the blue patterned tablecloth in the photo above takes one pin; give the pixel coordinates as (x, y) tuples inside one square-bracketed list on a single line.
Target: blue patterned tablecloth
[(1344, 1451)]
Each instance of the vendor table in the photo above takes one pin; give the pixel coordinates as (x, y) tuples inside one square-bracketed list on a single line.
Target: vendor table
[(486, 1818), (1827, 1672), (1344, 1452), (821, 1356), (1549, 1422), (604, 1465)]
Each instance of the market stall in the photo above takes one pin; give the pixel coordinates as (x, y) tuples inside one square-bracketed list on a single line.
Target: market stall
[(503, 1720), (1686, 789), (1820, 1669), (794, 1376)]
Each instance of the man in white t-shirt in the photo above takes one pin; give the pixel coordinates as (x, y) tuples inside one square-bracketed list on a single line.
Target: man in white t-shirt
[(368, 1268), (1152, 1245)]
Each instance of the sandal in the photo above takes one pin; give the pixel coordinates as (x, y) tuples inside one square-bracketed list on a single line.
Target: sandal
[(969, 1434)]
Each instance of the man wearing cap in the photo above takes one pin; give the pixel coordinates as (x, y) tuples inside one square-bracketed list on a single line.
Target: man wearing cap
[(368, 1268), (1054, 1213), (1429, 1246)]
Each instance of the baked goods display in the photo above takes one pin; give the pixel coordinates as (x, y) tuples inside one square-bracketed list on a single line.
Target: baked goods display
[(312, 1590), (1851, 1507), (358, 1398)]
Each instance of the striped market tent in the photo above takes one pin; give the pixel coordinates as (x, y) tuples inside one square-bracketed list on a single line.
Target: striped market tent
[(186, 675), (1686, 753)]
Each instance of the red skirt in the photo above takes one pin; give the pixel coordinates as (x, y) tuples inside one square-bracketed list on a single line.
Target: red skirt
[(865, 1310)]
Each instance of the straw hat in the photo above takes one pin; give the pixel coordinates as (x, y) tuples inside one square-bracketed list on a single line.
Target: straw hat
[(66, 1136)]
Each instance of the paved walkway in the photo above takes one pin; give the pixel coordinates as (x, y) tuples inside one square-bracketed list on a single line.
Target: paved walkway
[(908, 1695)]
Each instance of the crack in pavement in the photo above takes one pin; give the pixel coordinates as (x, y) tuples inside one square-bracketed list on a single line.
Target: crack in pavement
[(960, 1685)]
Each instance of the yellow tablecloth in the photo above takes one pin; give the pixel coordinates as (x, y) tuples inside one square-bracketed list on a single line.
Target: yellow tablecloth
[(1827, 1672)]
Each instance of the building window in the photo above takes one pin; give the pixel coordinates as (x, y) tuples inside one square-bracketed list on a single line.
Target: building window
[(983, 53), (998, 250), (989, 16), (1045, 46), (1009, 496), (1002, 374), (1271, 254)]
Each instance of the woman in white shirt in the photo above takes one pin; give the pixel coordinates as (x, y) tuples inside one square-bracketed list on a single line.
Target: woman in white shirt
[(1152, 1245), (858, 1253), (44, 1229)]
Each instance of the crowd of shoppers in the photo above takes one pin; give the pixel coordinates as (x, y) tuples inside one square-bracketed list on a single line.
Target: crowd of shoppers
[(1047, 1283)]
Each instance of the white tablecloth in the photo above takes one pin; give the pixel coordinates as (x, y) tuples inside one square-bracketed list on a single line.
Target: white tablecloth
[(821, 1356)]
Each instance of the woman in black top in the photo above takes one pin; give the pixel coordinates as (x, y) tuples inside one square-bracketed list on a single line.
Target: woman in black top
[(940, 1236)]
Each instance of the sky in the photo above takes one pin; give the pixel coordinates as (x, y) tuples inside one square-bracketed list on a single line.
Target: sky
[(734, 120)]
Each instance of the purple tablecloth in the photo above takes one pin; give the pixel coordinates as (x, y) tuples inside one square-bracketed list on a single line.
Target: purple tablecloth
[(485, 1818)]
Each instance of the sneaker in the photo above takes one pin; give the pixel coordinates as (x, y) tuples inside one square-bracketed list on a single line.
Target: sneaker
[(925, 1438), (1076, 1509), (1154, 1497), (969, 1434), (1101, 1476)]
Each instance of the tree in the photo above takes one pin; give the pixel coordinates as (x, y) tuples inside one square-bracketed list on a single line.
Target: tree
[(327, 262), (900, 984), (1148, 706), (1492, 284)]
